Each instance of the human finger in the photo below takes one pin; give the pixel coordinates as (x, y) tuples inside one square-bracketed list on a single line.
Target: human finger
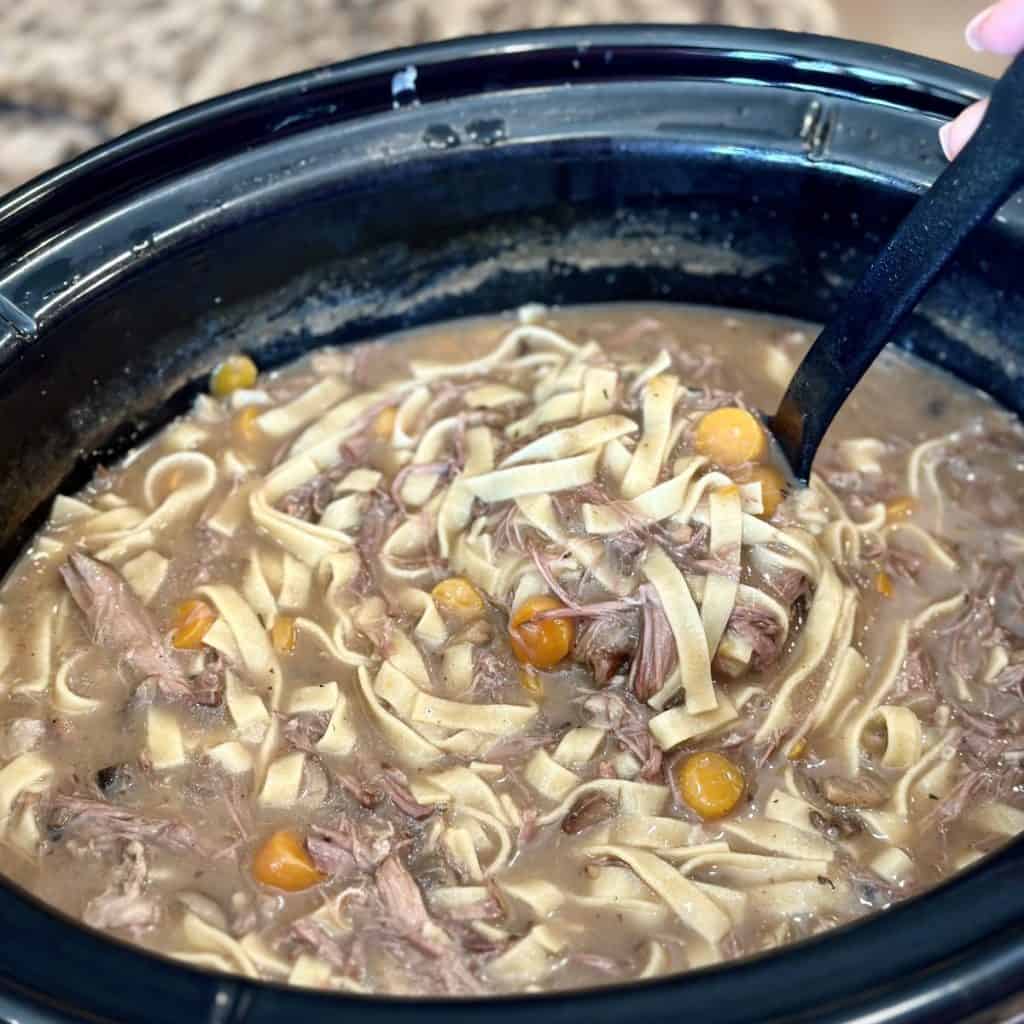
[(954, 135), (998, 29)]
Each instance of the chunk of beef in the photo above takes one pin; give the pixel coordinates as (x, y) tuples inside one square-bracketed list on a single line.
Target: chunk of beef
[(761, 630), (657, 656), (402, 902), (309, 501), (120, 622), (82, 818), (329, 949), (626, 719), (788, 585), (389, 913), (407, 923), (365, 794), (604, 644), (124, 903), (350, 847), (371, 784), (395, 784), (304, 731)]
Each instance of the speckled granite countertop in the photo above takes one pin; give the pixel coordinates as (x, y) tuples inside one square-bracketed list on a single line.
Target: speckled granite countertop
[(74, 72)]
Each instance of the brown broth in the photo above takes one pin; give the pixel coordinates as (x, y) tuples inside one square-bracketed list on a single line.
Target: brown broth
[(901, 401)]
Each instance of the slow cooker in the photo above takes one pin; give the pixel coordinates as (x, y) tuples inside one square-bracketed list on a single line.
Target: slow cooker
[(743, 169)]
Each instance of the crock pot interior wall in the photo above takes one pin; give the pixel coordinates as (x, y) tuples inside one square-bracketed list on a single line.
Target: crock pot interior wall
[(678, 190), (477, 232)]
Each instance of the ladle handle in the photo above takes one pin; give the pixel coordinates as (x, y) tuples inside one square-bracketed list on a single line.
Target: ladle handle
[(963, 197)]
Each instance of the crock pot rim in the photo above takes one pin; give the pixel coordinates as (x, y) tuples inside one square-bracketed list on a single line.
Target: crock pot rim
[(941, 88), (299, 102)]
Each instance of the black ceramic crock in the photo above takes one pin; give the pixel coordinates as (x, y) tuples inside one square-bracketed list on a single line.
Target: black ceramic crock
[(737, 168)]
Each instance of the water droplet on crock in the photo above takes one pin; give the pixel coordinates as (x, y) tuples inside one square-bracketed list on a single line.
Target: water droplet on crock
[(441, 136), (487, 131), (403, 87), (21, 324)]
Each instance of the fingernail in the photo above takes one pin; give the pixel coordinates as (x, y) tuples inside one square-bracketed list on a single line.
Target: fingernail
[(973, 31), (945, 140)]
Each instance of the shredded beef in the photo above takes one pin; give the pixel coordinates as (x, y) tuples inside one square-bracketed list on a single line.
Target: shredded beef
[(605, 643), (376, 525), (208, 686), (120, 622), (124, 903), (973, 788), (325, 946), (761, 630), (407, 923), (371, 784), (82, 818), (656, 657), (309, 501), (626, 719), (364, 793), (304, 731), (350, 847), (395, 785), (402, 901)]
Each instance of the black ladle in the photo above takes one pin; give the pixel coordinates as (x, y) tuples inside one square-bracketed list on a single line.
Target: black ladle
[(963, 197)]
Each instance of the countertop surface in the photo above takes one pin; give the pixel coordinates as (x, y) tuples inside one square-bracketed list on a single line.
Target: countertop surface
[(75, 72)]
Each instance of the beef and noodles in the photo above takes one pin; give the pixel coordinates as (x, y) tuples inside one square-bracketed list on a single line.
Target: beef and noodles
[(505, 657)]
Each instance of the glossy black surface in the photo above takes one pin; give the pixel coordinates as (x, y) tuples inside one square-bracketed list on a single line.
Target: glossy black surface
[(967, 193), (753, 170)]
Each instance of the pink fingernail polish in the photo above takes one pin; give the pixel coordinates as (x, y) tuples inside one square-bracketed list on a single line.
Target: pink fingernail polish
[(944, 139), (974, 27)]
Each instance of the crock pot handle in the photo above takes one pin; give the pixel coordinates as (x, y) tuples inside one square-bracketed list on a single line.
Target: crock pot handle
[(963, 197)]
